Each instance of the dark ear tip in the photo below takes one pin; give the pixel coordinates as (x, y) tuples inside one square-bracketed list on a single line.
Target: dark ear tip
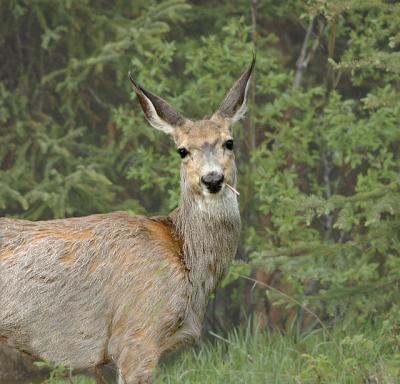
[(253, 61), (134, 83)]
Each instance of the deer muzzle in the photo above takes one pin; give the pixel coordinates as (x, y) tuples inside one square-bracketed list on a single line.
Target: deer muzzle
[(213, 181)]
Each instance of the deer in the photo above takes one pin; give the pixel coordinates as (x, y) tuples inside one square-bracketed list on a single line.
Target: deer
[(120, 288)]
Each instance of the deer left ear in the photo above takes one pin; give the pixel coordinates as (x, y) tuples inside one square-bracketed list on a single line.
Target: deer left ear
[(234, 105), (157, 111)]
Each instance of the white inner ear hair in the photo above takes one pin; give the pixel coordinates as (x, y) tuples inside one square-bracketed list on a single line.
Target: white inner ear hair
[(241, 112), (155, 120)]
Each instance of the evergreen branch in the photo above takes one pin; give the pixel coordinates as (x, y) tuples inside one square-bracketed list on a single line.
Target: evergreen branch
[(147, 25), (339, 201), (375, 102), (303, 248), (338, 7), (388, 61), (341, 292)]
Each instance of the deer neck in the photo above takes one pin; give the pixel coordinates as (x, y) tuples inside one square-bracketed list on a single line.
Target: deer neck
[(209, 227)]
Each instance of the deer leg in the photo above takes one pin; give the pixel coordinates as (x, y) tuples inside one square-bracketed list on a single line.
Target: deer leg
[(136, 365), (99, 376)]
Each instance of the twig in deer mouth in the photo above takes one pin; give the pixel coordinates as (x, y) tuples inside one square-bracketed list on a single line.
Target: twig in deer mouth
[(233, 189)]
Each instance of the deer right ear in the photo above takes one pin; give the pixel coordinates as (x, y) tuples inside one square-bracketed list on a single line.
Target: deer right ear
[(157, 111), (234, 105)]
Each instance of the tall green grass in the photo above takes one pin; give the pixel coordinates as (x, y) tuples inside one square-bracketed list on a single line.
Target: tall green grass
[(324, 356), (366, 354)]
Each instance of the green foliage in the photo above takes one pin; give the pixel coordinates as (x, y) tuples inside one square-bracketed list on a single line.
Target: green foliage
[(350, 355), (61, 153), (328, 171)]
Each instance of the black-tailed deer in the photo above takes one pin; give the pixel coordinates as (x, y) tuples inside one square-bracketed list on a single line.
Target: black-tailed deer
[(84, 291)]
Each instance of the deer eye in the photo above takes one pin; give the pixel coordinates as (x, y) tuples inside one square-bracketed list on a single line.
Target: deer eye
[(229, 144), (182, 152)]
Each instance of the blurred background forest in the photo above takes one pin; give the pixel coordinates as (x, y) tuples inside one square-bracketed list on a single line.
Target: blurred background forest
[(318, 153)]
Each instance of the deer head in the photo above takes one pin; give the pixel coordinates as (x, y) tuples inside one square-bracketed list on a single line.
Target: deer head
[(205, 146)]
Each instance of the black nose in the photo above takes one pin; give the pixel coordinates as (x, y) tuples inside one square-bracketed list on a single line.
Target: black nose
[(213, 181)]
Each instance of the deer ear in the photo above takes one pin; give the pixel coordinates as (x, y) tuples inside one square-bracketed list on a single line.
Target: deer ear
[(157, 111), (235, 104)]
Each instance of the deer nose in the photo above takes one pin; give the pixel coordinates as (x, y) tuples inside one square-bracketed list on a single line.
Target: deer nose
[(213, 181)]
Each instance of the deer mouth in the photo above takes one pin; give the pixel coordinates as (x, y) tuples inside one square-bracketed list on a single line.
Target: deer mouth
[(214, 189)]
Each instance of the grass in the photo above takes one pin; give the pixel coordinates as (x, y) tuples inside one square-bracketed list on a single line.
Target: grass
[(338, 356), (352, 355)]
